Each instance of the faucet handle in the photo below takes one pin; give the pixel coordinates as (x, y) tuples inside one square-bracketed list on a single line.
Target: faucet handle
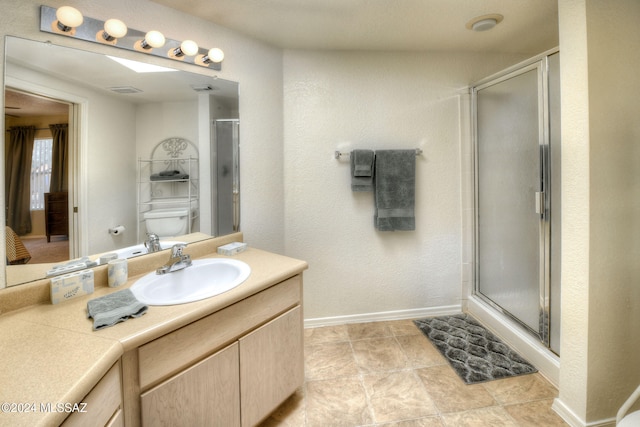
[(176, 250), (152, 243)]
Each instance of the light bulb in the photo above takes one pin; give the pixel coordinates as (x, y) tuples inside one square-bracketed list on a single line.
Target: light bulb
[(188, 47), (153, 39), (114, 29), (215, 55), (68, 18)]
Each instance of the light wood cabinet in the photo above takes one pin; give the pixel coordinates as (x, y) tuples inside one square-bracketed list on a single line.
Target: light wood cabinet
[(206, 394), (102, 406), (271, 366), (230, 368)]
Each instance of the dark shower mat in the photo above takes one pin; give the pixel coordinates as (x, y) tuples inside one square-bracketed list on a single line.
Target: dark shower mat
[(474, 353)]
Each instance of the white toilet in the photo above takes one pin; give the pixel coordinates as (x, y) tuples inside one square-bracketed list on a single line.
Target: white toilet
[(170, 219)]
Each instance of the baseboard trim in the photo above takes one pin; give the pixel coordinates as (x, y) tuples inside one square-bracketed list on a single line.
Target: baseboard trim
[(383, 315), (574, 420), (548, 363)]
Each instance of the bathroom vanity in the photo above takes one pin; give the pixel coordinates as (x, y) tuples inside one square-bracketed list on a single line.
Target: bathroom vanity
[(229, 360)]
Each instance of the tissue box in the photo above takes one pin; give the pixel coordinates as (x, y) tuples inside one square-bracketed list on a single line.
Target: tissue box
[(71, 285), (232, 248)]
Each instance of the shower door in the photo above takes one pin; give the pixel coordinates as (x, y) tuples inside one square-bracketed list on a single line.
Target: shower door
[(512, 196), (227, 179)]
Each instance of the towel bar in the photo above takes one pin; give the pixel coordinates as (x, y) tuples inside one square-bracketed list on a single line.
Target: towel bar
[(339, 154)]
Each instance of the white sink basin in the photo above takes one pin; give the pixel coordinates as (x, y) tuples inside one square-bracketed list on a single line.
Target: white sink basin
[(140, 249), (203, 279)]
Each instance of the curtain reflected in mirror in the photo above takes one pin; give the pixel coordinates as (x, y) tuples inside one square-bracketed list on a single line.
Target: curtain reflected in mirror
[(18, 177), (59, 158), (36, 178)]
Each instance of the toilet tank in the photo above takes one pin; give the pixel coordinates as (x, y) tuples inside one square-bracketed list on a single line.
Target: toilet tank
[(168, 222)]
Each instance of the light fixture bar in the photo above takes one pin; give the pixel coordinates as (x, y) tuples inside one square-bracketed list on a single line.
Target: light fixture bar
[(91, 27)]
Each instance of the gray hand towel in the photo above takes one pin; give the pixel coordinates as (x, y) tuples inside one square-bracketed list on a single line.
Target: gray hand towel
[(114, 308), (395, 185), (362, 170)]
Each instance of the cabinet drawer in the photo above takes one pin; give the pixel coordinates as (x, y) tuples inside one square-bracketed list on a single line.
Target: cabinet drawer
[(102, 402), (166, 356)]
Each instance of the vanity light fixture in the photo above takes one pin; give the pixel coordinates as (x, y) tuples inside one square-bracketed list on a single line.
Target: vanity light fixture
[(484, 22), (214, 55), (113, 30), (67, 19), (187, 47), (69, 22), (152, 39)]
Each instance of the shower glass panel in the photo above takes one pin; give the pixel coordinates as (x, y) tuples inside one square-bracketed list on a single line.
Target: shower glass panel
[(556, 207), (510, 251), (227, 180)]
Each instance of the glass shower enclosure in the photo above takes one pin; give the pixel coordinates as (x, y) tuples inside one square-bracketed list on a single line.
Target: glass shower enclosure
[(227, 178), (517, 195)]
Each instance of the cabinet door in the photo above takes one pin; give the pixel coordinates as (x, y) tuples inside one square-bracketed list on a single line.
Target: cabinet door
[(205, 394), (101, 403), (271, 365)]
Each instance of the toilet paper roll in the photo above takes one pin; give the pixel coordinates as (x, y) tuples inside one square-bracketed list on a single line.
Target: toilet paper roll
[(117, 230)]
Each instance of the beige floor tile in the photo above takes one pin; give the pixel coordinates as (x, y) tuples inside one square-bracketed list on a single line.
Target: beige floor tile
[(396, 396), (485, 417), (387, 374), (450, 393), (419, 351), (421, 422), (403, 327), (521, 389), (337, 402), (329, 360), (535, 414), (359, 331), (379, 354), (326, 334)]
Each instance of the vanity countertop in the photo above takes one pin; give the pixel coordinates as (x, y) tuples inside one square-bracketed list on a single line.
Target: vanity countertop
[(52, 355)]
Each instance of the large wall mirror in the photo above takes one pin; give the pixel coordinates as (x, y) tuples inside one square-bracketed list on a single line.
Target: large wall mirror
[(116, 118)]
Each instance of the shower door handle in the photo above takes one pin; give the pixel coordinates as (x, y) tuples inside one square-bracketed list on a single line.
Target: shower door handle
[(540, 205)]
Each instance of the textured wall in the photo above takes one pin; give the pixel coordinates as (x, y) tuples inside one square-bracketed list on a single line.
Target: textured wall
[(347, 100), (601, 207), (614, 136)]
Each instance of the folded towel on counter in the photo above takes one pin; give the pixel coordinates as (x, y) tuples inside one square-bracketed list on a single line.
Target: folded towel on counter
[(161, 177), (362, 163), (394, 192), (114, 308)]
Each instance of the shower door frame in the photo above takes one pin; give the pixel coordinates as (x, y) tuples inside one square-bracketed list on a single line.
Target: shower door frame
[(541, 64)]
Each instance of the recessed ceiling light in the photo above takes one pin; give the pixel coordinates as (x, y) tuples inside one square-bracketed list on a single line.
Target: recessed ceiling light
[(484, 22), (141, 67)]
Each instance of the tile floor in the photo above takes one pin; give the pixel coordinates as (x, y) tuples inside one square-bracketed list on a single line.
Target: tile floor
[(389, 374)]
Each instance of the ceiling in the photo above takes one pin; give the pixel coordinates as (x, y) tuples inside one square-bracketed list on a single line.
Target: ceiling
[(529, 26)]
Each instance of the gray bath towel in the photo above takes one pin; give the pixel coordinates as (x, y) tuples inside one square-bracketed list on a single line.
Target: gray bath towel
[(395, 185), (114, 308), (362, 164)]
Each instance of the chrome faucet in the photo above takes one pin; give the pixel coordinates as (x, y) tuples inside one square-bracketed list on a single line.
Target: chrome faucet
[(152, 243), (177, 261)]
